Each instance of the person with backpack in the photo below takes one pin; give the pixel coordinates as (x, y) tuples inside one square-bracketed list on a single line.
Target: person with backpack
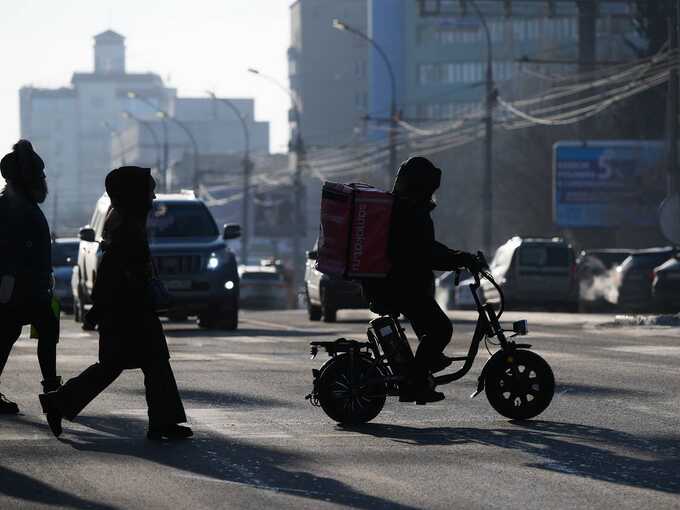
[(130, 332), (408, 288), (26, 264)]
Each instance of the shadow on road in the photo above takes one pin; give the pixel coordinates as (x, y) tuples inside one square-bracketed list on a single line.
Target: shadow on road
[(579, 450), (214, 459), (218, 399), (203, 333), (585, 390), (29, 489)]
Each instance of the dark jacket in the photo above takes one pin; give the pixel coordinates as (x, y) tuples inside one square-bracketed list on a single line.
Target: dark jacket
[(130, 333), (413, 249), (25, 248), (415, 254)]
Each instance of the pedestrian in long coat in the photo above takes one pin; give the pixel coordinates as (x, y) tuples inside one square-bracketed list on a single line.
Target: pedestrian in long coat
[(26, 264), (130, 332)]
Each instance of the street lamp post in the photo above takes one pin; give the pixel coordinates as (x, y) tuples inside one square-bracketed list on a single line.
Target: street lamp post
[(146, 125), (163, 115), (298, 147), (394, 116), (194, 146), (164, 170), (116, 134), (247, 169), (487, 193)]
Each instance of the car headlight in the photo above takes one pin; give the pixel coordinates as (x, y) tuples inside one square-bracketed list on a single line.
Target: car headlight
[(229, 285), (213, 262)]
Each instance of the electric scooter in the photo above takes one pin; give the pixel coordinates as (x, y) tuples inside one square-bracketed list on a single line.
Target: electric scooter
[(352, 386)]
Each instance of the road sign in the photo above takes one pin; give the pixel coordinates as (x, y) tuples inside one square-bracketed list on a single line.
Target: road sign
[(608, 183)]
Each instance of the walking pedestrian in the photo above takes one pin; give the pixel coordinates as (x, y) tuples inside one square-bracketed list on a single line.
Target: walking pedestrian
[(26, 264), (130, 333)]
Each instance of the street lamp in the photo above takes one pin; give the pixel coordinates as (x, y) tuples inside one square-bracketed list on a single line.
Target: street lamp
[(392, 164), (116, 134), (298, 147), (164, 170), (487, 202), (247, 168), (146, 125), (163, 115)]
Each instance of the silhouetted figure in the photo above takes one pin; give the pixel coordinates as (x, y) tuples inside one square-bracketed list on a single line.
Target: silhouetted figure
[(26, 264), (409, 287), (130, 333)]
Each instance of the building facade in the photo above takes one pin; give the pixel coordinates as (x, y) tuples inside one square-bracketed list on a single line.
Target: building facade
[(438, 48), (328, 69), (84, 130)]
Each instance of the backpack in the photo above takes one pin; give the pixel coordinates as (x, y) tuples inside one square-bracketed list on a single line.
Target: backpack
[(354, 231)]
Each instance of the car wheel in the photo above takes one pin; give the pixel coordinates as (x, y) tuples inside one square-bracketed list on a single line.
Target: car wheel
[(227, 320), (329, 313), (313, 311)]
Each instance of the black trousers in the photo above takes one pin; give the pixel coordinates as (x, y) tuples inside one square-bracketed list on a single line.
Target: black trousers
[(433, 328), (162, 395), (42, 318)]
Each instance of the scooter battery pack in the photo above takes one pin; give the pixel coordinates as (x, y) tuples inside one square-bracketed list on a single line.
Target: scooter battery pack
[(354, 232)]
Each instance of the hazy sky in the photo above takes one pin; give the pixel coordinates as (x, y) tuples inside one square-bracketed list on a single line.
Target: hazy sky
[(194, 45)]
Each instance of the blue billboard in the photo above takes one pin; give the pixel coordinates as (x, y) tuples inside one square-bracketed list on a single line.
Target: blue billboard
[(608, 183)]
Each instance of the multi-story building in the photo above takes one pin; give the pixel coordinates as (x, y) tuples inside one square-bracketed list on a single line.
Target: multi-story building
[(78, 128), (328, 70), (438, 48)]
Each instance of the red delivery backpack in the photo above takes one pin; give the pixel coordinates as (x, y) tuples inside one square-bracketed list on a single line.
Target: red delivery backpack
[(355, 229)]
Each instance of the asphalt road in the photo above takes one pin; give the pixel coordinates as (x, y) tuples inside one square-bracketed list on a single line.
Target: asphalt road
[(609, 439)]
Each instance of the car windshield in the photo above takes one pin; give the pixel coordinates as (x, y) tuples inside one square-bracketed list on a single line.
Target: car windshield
[(64, 254), (190, 219), (552, 256)]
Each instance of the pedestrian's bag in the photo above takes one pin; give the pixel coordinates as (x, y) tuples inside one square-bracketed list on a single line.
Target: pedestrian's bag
[(354, 232)]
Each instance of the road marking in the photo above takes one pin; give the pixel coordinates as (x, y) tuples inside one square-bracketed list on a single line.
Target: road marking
[(654, 350)]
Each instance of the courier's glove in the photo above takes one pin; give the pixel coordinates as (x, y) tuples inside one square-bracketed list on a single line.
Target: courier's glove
[(471, 262)]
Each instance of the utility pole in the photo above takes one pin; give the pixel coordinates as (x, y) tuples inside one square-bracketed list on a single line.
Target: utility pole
[(672, 106), (489, 103), (247, 170)]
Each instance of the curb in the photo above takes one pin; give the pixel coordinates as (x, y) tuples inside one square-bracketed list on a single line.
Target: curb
[(646, 320)]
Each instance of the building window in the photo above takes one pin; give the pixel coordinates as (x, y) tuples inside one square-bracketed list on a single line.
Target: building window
[(428, 73)]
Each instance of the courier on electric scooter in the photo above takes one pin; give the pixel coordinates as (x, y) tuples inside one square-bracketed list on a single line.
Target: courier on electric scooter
[(353, 385)]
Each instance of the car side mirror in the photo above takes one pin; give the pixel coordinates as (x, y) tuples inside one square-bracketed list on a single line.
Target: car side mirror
[(231, 231), (87, 234), (312, 254)]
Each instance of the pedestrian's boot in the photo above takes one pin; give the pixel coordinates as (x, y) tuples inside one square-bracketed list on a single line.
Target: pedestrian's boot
[(173, 431), (7, 406), (49, 406)]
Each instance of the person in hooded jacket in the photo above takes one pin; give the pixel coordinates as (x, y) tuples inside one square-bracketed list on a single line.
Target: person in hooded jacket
[(409, 287), (26, 264), (130, 332)]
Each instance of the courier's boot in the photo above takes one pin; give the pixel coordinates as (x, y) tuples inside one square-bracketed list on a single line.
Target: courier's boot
[(420, 386), (49, 406), (440, 363), (7, 406)]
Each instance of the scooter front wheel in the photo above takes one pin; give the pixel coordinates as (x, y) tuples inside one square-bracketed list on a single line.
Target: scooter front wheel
[(348, 391), (520, 385)]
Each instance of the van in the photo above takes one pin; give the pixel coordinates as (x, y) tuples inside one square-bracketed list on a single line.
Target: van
[(535, 272)]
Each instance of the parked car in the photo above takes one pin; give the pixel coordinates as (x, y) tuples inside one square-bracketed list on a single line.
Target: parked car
[(452, 297), (190, 256), (262, 286), (597, 279), (64, 257), (666, 286), (327, 294), (636, 275), (534, 272)]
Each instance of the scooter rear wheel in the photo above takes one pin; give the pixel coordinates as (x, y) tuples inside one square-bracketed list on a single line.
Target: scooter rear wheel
[(519, 386), (346, 392)]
